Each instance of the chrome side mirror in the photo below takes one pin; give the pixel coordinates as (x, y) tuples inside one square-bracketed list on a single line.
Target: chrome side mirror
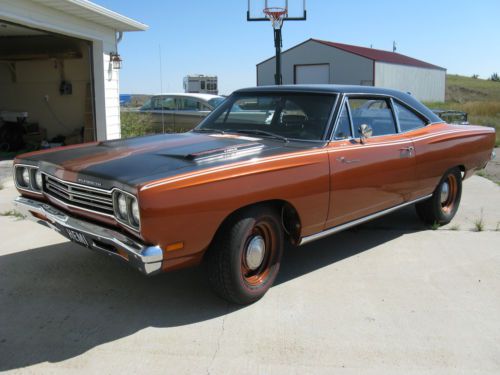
[(365, 132)]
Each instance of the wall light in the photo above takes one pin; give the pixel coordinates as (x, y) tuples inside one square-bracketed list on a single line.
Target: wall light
[(116, 60)]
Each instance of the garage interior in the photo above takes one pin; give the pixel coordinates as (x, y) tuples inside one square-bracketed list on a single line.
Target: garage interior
[(46, 90)]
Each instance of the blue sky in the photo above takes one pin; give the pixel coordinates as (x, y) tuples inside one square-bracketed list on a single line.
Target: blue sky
[(213, 37)]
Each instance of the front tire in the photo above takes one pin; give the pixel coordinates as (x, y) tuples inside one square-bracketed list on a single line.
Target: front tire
[(245, 257), (443, 205)]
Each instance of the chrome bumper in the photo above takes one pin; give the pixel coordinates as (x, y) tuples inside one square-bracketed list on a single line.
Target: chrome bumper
[(146, 259)]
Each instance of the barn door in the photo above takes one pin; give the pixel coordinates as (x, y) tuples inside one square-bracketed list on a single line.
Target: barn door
[(313, 73)]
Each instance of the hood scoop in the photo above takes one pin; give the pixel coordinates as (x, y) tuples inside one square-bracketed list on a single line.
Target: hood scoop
[(224, 153)]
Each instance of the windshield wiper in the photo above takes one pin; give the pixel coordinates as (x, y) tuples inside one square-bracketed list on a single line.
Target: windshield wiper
[(208, 130), (257, 132)]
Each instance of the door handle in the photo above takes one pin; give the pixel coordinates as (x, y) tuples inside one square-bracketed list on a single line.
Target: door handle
[(342, 159), (409, 150)]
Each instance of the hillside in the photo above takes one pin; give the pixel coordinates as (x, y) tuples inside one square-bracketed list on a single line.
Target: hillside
[(478, 97)]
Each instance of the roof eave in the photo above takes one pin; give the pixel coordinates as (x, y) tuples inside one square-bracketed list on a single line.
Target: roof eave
[(105, 17)]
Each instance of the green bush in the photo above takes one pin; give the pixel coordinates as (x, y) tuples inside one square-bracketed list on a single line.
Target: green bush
[(135, 124)]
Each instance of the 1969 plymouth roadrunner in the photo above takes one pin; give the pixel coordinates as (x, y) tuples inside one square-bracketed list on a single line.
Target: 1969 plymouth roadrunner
[(269, 165)]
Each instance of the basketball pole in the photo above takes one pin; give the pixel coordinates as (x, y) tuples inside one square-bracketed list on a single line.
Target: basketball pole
[(278, 78)]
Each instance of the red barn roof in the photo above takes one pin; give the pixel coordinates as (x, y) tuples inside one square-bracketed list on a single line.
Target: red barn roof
[(380, 55), (372, 54)]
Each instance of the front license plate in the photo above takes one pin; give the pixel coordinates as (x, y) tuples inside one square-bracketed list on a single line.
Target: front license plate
[(77, 237)]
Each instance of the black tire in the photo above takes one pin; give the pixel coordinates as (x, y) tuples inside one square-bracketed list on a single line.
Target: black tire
[(441, 208), (228, 272)]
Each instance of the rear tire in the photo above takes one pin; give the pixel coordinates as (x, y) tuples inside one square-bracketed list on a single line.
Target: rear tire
[(443, 205), (244, 259)]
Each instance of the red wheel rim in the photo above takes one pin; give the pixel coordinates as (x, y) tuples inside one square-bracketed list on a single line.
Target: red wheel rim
[(257, 275), (448, 193)]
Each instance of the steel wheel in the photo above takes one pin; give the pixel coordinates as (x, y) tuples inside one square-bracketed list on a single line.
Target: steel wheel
[(258, 254), (245, 257), (448, 193), (443, 205)]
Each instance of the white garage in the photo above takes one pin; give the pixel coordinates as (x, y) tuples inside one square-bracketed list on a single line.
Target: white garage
[(318, 61), (59, 71)]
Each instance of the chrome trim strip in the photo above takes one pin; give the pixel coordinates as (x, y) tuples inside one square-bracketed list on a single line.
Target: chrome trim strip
[(338, 228), (146, 259)]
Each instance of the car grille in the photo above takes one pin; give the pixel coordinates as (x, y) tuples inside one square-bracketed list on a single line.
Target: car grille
[(79, 195)]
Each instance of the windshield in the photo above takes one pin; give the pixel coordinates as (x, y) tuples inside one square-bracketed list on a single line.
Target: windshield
[(290, 115), (215, 102)]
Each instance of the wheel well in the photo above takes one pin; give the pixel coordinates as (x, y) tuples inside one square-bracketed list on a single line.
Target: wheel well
[(290, 219)]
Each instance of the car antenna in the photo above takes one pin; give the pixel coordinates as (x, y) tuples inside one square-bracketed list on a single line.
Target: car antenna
[(161, 91)]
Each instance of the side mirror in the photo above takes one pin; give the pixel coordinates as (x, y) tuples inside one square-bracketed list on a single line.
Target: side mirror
[(365, 132)]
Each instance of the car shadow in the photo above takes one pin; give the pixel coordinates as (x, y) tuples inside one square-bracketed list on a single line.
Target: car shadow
[(59, 301)]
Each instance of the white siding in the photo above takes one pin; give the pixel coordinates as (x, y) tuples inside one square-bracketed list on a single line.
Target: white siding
[(424, 84), (345, 68)]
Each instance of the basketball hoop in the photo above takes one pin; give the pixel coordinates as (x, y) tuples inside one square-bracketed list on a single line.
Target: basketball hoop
[(276, 16)]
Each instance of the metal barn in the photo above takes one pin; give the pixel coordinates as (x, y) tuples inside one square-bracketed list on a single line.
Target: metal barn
[(319, 61)]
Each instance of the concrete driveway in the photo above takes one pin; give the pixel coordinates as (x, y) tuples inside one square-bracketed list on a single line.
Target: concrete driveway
[(390, 297)]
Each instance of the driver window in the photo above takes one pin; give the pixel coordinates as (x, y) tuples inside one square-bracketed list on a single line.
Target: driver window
[(343, 130), (373, 112)]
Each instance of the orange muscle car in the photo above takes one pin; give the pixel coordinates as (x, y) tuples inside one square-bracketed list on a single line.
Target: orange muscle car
[(269, 165)]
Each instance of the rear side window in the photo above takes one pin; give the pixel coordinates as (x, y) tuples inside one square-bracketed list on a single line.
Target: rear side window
[(163, 103), (343, 130), (375, 113), (407, 119), (189, 104)]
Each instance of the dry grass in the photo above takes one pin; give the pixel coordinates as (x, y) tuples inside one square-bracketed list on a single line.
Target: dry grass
[(479, 223), (13, 213), (478, 97)]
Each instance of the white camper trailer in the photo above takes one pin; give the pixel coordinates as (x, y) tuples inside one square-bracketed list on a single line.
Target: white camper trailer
[(199, 83)]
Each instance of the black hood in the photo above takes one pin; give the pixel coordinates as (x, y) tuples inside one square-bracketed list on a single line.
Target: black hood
[(138, 160)]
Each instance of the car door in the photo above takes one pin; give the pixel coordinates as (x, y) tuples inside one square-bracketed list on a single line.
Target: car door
[(371, 175)]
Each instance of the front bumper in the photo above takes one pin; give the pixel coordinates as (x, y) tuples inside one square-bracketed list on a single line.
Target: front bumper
[(146, 259)]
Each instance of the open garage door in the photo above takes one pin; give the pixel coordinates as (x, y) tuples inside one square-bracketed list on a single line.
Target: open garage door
[(317, 73), (46, 92)]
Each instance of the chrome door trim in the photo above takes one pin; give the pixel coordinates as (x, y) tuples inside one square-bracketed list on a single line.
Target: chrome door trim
[(338, 228)]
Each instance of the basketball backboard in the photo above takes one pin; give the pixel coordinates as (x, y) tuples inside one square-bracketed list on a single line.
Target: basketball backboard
[(296, 9)]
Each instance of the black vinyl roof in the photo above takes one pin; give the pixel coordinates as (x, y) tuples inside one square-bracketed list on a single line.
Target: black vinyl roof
[(346, 89)]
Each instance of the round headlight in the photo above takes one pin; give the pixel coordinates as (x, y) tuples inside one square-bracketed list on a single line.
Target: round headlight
[(122, 206), (26, 176), (135, 211), (38, 180)]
